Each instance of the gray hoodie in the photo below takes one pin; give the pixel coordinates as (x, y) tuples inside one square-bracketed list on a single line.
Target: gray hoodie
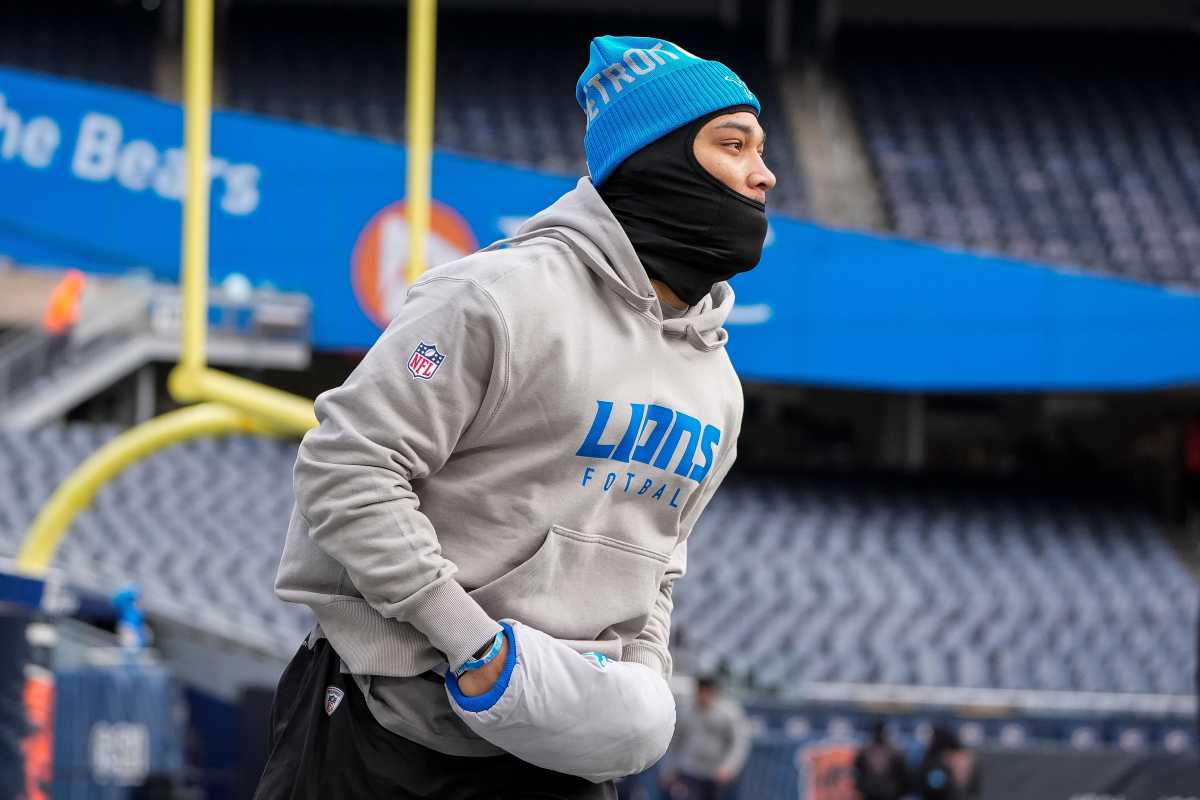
[(711, 739), (528, 439)]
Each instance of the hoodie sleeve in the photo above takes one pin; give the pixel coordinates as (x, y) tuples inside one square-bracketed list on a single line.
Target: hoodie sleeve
[(651, 646), (390, 424)]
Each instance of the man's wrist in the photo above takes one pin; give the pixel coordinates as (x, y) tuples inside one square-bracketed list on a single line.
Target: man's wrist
[(484, 655), (453, 621)]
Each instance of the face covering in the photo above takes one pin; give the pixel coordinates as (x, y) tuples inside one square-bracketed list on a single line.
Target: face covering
[(688, 228)]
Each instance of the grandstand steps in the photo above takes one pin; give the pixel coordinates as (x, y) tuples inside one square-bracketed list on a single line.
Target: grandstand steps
[(135, 325), (838, 178), (24, 293), (76, 382)]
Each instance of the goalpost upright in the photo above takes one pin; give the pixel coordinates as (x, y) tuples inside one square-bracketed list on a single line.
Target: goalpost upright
[(225, 403)]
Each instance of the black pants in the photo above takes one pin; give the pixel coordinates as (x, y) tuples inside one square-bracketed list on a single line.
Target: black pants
[(347, 754), (686, 787)]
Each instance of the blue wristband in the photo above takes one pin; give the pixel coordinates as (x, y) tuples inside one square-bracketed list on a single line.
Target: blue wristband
[(477, 703), (486, 658)]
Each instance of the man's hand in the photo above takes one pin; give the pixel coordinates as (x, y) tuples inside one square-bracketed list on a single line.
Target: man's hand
[(480, 681), (725, 776), (563, 713)]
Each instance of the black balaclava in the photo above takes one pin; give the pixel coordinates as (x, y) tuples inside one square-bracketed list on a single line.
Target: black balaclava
[(688, 228)]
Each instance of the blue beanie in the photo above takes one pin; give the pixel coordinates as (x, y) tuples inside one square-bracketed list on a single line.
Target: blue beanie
[(636, 89)]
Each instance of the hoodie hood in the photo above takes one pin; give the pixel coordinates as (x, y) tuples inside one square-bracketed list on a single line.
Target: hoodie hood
[(581, 220)]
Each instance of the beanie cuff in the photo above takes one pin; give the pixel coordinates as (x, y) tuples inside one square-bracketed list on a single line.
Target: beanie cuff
[(658, 107)]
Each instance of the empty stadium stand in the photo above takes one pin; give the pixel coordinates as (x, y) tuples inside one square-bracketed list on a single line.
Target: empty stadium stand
[(199, 526), (505, 81), (824, 582), (788, 583), (1075, 150), (1080, 150), (98, 41)]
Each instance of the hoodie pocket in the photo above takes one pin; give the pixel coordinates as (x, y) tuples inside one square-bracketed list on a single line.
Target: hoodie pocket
[(579, 586)]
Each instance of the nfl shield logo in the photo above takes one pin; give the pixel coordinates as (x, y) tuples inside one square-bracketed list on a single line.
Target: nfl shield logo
[(425, 361), (333, 697)]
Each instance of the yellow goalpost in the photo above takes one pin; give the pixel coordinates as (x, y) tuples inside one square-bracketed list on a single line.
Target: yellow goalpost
[(225, 403)]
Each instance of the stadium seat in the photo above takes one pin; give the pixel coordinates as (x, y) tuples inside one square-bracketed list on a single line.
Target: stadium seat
[(823, 582), (99, 42), (788, 582), (199, 526), (1084, 159), (347, 73)]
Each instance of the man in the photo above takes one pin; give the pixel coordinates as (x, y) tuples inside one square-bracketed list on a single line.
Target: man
[(879, 769), (61, 315), (712, 741), (948, 770), (492, 513)]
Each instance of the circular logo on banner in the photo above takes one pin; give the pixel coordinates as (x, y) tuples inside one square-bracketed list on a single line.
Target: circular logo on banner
[(380, 257)]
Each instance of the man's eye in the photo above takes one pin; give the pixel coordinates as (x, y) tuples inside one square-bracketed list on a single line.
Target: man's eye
[(736, 145)]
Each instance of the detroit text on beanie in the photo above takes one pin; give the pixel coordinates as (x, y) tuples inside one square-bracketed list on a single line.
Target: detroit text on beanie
[(636, 89)]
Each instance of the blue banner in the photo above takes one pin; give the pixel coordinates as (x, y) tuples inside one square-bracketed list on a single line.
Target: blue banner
[(114, 727), (92, 177), (849, 309)]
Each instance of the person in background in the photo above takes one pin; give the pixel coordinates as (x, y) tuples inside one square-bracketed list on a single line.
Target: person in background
[(62, 307), (711, 743), (948, 771), (61, 314), (879, 770)]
